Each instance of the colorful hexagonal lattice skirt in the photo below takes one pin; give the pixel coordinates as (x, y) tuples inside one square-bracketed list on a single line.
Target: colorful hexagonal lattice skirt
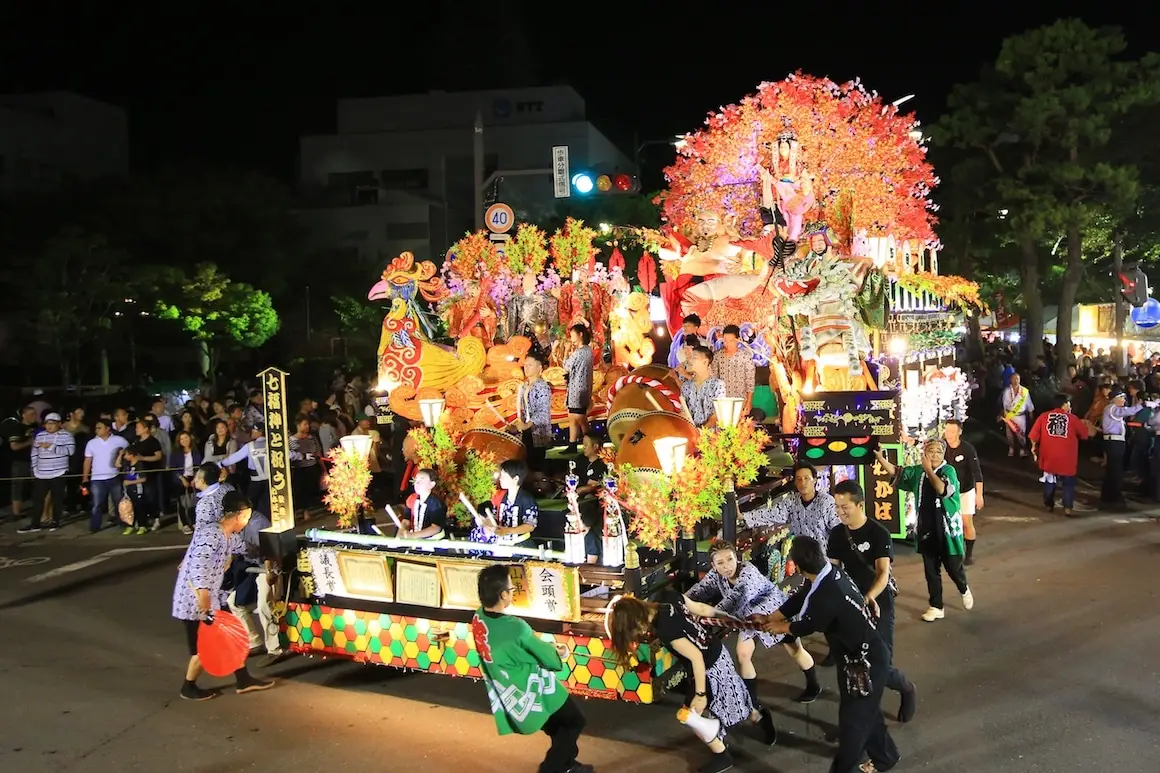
[(448, 648)]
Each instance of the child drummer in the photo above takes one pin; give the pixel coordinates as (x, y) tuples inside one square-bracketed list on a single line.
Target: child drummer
[(426, 513), (514, 511)]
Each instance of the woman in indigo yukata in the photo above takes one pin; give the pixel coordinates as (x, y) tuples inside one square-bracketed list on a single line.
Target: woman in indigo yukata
[(714, 684), (514, 510), (198, 593), (737, 589)]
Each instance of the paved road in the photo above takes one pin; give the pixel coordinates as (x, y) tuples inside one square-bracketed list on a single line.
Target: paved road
[(1054, 670)]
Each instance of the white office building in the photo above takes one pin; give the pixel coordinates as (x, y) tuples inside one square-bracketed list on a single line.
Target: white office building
[(55, 138), (399, 173)]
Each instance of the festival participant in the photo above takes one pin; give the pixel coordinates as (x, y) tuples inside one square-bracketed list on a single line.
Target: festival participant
[(831, 603), (700, 390), (428, 514), (198, 592), (811, 513), (591, 508), (1112, 491), (254, 453), (535, 412), (683, 344), (211, 489), (715, 684), (513, 509), (1017, 406), (520, 670), (864, 549), (939, 533), (579, 377), (962, 456), (305, 466), (738, 590), (1055, 440), (734, 366)]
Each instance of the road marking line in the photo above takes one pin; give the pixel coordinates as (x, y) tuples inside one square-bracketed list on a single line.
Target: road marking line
[(86, 563)]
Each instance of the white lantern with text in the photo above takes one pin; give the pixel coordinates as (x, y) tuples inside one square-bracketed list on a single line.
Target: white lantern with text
[(432, 409)]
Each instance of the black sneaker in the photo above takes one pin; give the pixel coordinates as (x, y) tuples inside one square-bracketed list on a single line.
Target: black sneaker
[(191, 692), (254, 684), (810, 694), (29, 530), (719, 764)]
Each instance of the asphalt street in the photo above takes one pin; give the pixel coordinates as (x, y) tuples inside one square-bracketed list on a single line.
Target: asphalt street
[(1054, 670)]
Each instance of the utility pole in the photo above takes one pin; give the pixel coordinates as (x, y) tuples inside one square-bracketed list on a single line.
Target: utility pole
[(1117, 269), (477, 158)]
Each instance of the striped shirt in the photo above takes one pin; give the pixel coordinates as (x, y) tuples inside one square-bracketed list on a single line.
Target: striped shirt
[(51, 453)]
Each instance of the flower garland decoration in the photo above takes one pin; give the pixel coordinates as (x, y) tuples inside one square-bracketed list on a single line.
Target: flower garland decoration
[(740, 449), (955, 290), (572, 246), (346, 486), (437, 449), (857, 148), (527, 251)]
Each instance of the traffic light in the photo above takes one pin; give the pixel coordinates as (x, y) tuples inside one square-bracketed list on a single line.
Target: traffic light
[(1134, 286), (604, 183)]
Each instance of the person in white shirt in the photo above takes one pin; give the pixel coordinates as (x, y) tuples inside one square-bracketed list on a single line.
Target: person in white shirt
[(51, 450), (254, 453), (100, 471)]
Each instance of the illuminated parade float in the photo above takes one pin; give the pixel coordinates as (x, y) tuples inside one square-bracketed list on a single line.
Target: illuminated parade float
[(801, 215)]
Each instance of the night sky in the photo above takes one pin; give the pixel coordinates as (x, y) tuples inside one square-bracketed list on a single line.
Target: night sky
[(241, 87)]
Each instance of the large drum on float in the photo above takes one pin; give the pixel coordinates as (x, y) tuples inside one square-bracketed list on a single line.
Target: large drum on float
[(637, 447), (502, 445), (648, 389)]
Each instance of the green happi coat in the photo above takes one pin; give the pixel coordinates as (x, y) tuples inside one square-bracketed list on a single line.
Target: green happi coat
[(520, 671), (948, 504)]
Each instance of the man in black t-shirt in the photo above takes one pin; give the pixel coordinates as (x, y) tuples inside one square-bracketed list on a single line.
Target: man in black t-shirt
[(591, 510), (965, 459), (864, 550), (830, 603), (142, 480), (18, 442)]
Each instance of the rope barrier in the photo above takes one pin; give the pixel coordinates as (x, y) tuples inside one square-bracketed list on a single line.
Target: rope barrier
[(141, 473)]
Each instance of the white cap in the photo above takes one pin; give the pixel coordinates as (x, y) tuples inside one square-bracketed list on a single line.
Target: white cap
[(52, 417)]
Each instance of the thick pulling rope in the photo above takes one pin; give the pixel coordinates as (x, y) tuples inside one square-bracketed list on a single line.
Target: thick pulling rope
[(673, 397)]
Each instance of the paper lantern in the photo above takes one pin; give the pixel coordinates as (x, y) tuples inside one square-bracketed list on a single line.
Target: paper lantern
[(222, 646), (1148, 315)]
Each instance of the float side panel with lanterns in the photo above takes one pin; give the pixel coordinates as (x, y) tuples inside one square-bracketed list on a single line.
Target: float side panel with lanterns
[(361, 598)]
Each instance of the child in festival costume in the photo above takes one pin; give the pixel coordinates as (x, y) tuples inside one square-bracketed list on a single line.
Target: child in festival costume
[(519, 670), (739, 590), (715, 684), (513, 509)]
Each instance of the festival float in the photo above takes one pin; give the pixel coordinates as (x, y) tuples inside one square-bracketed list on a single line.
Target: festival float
[(800, 214)]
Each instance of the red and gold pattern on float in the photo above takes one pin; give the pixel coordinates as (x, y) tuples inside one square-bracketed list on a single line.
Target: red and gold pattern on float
[(449, 649)]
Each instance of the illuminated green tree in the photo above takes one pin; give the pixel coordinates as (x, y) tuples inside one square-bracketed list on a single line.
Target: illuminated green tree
[(217, 312)]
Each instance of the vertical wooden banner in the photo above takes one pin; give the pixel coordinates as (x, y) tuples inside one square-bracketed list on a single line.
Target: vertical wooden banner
[(278, 449)]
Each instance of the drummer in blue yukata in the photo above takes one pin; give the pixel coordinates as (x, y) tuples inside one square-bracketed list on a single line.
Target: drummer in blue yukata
[(513, 510)]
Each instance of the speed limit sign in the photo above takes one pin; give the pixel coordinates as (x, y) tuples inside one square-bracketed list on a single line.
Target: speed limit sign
[(499, 218)]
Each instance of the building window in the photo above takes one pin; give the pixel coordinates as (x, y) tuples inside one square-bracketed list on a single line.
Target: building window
[(408, 231), (404, 179)]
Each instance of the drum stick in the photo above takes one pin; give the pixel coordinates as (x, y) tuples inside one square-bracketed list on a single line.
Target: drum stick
[(479, 519), (395, 518)]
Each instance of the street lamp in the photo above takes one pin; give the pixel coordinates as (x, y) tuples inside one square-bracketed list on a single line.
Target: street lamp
[(671, 453), (432, 409), (728, 410)]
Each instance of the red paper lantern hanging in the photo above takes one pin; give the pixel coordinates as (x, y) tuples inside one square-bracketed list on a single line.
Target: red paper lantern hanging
[(646, 273), (616, 260)]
